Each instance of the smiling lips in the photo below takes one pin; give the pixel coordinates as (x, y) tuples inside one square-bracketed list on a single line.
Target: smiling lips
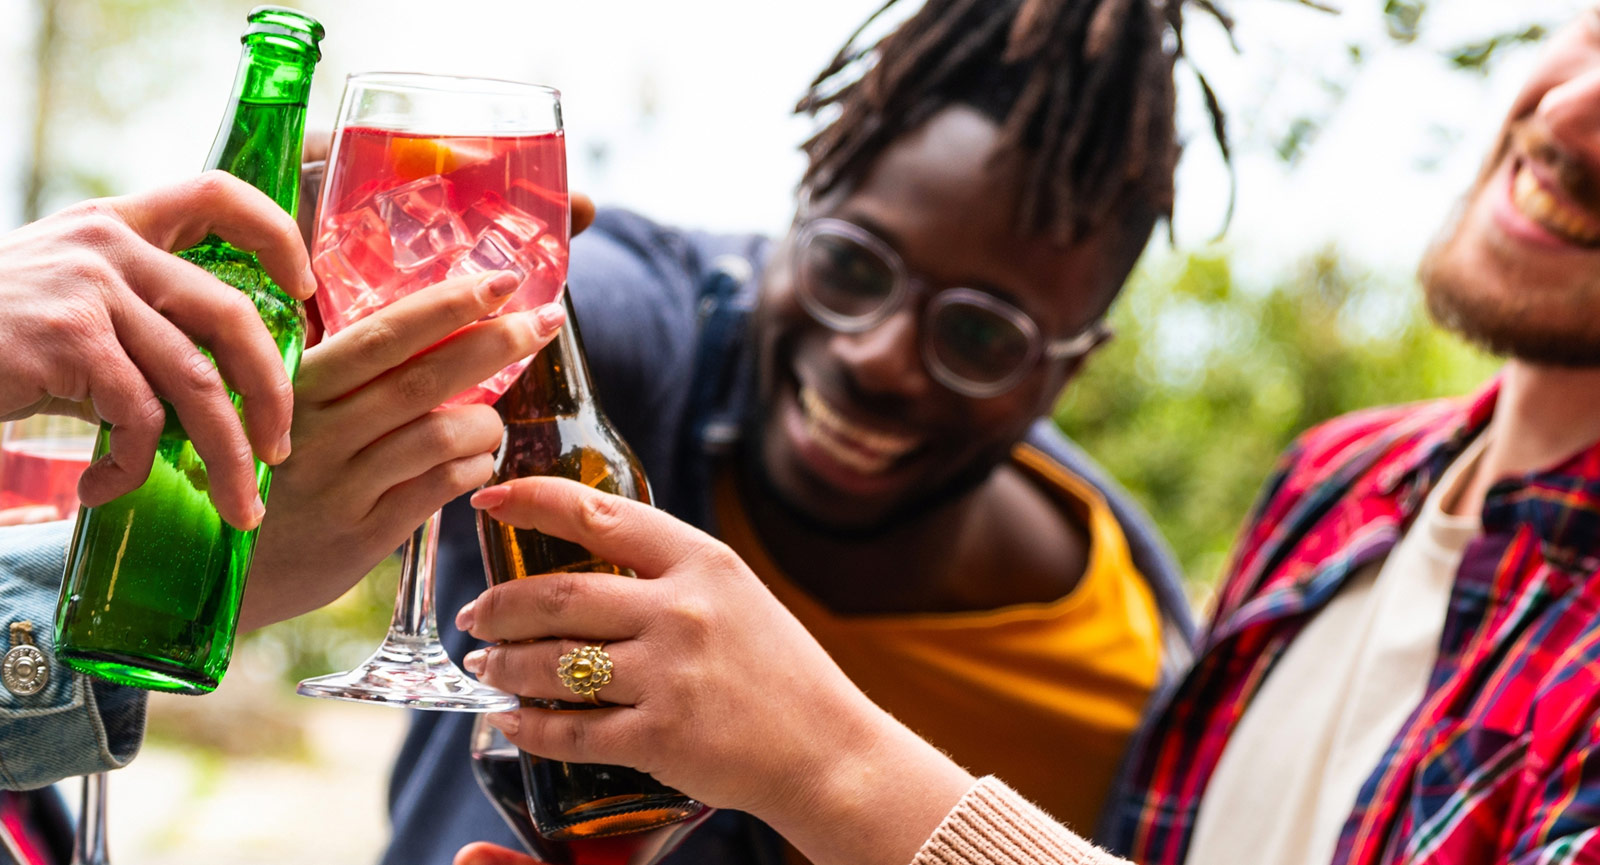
[(863, 449), (1555, 215)]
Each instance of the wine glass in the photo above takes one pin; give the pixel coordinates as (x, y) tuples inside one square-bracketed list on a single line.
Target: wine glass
[(89, 844), (499, 772), (432, 177), (41, 459)]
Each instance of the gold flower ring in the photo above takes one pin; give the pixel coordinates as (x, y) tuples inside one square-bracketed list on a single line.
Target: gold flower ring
[(585, 670)]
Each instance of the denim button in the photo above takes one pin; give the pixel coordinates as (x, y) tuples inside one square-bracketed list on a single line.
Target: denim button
[(24, 670)]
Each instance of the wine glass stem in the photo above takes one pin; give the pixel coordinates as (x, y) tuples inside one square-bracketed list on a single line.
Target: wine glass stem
[(89, 848), (414, 617)]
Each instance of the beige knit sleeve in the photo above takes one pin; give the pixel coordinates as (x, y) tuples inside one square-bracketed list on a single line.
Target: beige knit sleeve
[(994, 825)]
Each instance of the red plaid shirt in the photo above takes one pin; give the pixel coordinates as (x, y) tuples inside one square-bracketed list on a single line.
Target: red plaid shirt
[(1500, 762)]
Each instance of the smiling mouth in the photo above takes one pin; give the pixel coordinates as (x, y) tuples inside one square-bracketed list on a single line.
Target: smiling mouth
[(1554, 215), (860, 448)]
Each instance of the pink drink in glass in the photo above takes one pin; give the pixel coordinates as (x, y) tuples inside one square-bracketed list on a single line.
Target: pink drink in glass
[(403, 212), (43, 472)]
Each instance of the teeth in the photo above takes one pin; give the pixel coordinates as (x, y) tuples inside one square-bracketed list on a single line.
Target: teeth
[(1540, 206), (862, 449)]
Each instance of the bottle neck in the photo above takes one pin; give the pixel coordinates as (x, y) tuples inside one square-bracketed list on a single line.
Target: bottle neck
[(263, 128), (556, 382)]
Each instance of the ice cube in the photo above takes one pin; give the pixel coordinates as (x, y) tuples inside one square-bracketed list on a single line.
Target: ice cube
[(422, 226), (495, 251), (493, 211), (355, 269)]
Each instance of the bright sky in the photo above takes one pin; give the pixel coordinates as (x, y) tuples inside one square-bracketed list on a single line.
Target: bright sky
[(681, 109)]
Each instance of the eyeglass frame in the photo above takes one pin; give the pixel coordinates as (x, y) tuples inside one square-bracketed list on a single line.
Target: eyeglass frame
[(906, 284)]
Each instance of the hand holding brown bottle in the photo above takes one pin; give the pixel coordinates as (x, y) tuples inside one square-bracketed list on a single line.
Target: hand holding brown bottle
[(717, 690)]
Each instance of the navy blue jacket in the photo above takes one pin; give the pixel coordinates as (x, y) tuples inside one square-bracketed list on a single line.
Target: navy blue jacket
[(664, 315)]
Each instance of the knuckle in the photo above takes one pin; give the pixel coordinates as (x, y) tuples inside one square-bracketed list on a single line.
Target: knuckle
[(497, 663), (574, 737), (600, 513), (440, 436), (418, 383), (556, 596), (73, 321), (215, 184), (96, 225), (693, 619), (721, 557), (199, 374), (238, 312), (465, 474), (376, 338), (149, 414)]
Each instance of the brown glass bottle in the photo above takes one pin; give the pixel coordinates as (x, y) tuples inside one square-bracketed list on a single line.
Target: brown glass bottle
[(554, 427)]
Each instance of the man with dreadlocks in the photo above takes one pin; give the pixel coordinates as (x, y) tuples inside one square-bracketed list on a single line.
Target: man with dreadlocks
[(862, 408), (1404, 662)]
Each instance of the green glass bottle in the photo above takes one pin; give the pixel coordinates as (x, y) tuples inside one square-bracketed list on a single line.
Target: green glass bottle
[(154, 578)]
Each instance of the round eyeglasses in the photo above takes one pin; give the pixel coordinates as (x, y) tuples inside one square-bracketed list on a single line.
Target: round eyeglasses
[(972, 342)]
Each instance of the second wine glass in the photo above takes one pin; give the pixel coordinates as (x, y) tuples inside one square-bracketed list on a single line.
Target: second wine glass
[(433, 177)]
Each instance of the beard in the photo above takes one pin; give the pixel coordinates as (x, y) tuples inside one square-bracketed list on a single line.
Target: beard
[(1502, 296)]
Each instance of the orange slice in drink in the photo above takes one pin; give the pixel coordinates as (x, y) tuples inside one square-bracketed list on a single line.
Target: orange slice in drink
[(415, 158)]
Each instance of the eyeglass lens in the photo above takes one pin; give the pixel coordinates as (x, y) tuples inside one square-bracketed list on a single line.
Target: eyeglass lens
[(846, 277), (854, 282), (976, 343)]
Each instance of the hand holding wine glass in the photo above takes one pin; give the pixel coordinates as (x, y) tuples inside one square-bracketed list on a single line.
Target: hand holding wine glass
[(374, 454), (433, 177)]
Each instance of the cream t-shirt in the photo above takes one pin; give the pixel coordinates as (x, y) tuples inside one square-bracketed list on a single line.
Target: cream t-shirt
[(1289, 776)]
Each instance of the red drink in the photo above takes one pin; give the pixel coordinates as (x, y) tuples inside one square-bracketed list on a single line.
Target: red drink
[(405, 211), (43, 472), (499, 773)]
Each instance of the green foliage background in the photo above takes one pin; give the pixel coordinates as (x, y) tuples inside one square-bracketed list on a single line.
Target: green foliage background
[(1210, 377)]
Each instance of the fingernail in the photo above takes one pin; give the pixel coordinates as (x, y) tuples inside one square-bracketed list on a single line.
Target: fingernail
[(506, 722), (475, 661), (283, 448), (466, 618), (309, 278), (548, 319), (503, 284), (257, 511), (490, 497)]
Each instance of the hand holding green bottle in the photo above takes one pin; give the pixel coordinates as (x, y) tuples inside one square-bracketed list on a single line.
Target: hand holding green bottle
[(155, 577), (100, 318)]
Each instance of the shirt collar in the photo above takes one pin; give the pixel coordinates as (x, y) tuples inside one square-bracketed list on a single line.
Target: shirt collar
[(1561, 503)]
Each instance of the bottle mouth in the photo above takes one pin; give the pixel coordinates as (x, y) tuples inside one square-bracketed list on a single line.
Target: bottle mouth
[(286, 22)]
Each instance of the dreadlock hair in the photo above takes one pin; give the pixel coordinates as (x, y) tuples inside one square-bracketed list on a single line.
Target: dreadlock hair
[(1083, 88)]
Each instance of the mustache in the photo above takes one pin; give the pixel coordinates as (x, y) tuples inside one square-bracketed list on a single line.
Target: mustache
[(1576, 178)]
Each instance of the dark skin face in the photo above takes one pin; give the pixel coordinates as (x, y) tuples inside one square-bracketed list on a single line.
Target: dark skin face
[(855, 432)]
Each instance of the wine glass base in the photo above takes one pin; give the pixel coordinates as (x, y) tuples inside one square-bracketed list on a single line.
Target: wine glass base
[(410, 677)]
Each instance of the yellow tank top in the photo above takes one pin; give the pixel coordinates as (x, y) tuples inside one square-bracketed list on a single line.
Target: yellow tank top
[(1044, 696)]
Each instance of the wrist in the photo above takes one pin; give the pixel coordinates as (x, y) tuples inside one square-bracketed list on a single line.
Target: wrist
[(873, 798)]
